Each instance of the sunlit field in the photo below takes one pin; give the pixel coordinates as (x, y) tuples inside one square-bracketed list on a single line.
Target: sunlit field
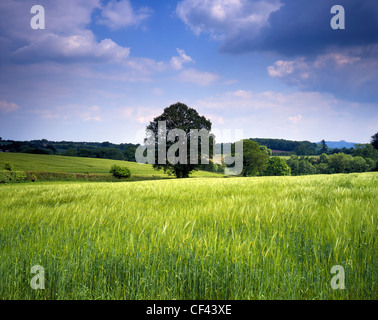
[(224, 238), (55, 163)]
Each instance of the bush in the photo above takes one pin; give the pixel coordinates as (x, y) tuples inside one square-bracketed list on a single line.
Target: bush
[(370, 164), (358, 164), (322, 168), (8, 166), (340, 162), (12, 176), (5, 176), (120, 172), (277, 167), (305, 168)]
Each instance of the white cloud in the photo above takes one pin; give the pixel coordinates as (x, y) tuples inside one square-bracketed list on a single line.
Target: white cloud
[(7, 107), (346, 73), (197, 77), (177, 62), (120, 14), (226, 18), (81, 46)]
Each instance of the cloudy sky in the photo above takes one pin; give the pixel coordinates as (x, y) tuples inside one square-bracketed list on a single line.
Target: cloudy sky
[(101, 70)]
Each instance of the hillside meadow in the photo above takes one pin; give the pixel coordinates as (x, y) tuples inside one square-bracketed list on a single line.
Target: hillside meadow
[(239, 238), (64, 164)]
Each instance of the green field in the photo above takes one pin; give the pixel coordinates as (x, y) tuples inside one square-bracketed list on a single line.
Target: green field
[(53, 163), (240, 238)]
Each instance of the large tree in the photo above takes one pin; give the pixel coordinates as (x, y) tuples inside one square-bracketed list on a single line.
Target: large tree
[(179, 116)]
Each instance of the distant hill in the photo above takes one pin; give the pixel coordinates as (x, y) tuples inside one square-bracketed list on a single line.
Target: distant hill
[(340, 144)]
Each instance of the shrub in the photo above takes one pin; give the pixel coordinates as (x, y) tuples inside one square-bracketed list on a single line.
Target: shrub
[(322, 168), (8, 166), (370, 164), (340, 162), (5, 176), (18, 176), (305, 167), (277, 167), (12, 176), (358, 164), (120, 172)]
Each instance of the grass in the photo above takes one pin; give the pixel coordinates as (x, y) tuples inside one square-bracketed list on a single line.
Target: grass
[(240, 238), (54, 163)]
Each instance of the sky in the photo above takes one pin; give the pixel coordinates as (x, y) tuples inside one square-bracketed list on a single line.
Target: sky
[(101, 70)]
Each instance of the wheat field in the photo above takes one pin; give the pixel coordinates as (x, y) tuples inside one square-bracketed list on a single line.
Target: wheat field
[(235, 238)]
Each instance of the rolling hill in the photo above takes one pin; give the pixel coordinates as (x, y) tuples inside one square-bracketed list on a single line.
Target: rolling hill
[(54, 163)]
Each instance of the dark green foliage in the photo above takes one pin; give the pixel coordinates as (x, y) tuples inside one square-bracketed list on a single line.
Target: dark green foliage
[(293, 163), (254, 159), (8, 166), (277, 167), (306, 148), (180, 116), (282, 144), (322, 168), (105, 150), (340, 162), (266, 150), (324, 147), (120, 172), (12, 176), (129, 153), (305, 167), (335, 163), (365, 151), (374, 141), (71, 152), (358, 164), (323, 158)]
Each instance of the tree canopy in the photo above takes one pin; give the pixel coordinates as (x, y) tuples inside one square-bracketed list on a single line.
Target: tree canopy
[(179, 116)]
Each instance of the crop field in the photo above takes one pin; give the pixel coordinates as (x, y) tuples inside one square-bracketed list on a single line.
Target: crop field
[(239, 238)]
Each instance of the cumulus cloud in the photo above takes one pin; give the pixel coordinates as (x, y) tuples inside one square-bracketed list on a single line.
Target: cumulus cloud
[(65, 39), (72, 48), (284, 26), (7, 107), (313, 56), (223, 19), (120, 14), (197, 77), (349, 72)]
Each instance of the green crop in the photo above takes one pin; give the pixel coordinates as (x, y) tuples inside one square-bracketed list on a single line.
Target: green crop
[(240, 238)]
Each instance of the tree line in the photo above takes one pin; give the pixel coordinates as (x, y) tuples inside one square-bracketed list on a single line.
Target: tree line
[(104, 150)]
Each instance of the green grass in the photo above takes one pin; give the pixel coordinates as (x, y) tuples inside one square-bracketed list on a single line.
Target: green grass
[(240, 238), (53, 163)]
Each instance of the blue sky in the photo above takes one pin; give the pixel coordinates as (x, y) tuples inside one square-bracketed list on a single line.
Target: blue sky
[(101, 70)]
